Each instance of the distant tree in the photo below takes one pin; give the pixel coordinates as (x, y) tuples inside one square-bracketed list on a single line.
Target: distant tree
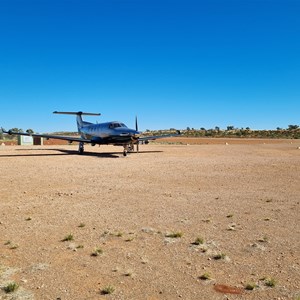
[(230, 127), (30, 131), (202, 128), (217, 128), (188, 128), (278, 128), (15, 129), (247, 128), (291, 127)]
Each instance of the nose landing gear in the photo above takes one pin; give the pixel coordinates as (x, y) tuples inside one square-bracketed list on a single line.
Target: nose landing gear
[(126, 148), (130, 148)]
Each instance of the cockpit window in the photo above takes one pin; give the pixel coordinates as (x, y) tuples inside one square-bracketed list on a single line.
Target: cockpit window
[(116, 125)]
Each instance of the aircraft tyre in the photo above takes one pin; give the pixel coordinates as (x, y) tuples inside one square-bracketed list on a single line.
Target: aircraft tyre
[(81, 148)]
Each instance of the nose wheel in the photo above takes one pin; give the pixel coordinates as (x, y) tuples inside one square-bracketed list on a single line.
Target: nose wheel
[(130, 147), (126, 148)]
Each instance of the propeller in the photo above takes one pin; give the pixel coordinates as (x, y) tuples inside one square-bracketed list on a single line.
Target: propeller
[(137, 129)]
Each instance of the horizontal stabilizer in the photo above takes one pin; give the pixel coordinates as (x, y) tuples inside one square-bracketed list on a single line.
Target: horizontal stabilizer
[(76, 113)]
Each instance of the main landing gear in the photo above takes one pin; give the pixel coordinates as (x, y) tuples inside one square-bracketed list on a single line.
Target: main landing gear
[(81, 148)]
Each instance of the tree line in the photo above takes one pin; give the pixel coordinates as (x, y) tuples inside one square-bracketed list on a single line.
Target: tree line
[(292, 131)]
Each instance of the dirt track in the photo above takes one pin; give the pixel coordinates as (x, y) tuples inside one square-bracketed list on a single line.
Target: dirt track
[(242, 200)]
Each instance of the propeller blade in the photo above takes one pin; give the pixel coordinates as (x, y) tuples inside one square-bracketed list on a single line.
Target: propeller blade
[(136, 124), (137, 129)]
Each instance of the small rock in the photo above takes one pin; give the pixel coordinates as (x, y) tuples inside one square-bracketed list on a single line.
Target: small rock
[(148, 230)]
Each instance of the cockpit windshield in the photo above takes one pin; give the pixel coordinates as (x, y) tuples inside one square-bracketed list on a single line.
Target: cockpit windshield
[(116, 125)]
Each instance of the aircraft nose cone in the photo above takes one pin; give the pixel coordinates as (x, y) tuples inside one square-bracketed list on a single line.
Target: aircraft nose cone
[(137, 134), (132, 133)]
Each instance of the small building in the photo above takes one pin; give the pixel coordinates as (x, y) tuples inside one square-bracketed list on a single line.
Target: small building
[(25, 140)]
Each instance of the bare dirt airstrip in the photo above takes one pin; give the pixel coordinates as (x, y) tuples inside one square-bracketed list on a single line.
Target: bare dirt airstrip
[(209, 221)]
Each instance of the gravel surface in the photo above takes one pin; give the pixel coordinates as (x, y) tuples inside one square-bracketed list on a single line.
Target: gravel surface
[(172, 222)]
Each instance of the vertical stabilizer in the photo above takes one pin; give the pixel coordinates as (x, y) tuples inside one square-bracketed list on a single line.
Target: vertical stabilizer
[(79, 121)]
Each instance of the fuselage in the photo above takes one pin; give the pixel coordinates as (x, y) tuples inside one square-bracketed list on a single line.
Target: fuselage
[(109, 132)]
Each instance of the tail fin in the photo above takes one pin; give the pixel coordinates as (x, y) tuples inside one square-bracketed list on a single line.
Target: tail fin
[(80, 122)]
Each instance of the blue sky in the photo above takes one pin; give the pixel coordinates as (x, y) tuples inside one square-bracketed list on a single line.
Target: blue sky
[(173, 63)]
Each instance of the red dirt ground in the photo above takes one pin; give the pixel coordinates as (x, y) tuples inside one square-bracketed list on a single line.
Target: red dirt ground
[(145, 212)]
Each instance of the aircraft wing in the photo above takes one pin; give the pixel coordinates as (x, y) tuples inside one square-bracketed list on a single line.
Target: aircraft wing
[(154, 137), (49, 136)]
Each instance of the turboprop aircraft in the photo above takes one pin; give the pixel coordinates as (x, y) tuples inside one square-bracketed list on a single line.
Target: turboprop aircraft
[(116, 133)]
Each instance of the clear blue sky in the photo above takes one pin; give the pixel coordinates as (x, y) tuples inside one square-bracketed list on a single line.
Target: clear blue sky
[(173, 63)]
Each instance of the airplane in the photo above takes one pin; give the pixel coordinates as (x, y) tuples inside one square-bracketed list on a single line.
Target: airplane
[(115, 133)]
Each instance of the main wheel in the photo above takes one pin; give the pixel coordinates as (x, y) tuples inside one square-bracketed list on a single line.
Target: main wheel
[(81, 148)]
